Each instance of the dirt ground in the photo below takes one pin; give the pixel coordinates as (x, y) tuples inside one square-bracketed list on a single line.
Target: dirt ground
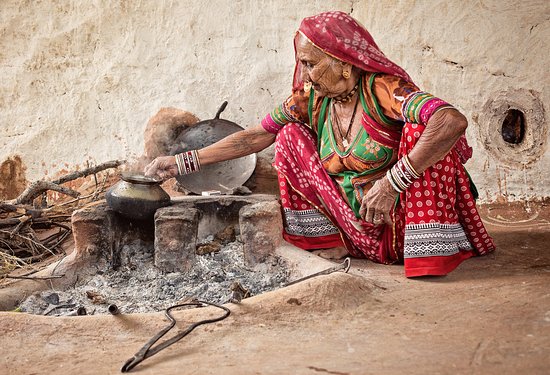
[(490, 316)]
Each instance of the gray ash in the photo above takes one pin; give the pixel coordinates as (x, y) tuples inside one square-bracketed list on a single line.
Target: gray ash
[(137, 286)]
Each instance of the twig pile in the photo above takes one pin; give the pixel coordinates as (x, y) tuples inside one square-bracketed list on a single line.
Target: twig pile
[(31, 230)]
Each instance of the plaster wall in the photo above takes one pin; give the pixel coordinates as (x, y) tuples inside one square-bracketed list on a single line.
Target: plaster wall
[(80, 78)]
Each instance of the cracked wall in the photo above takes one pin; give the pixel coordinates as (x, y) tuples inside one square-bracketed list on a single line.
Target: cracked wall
[(81, 79)]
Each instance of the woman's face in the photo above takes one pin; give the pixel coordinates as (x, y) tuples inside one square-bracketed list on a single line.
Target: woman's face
[(323, 71)]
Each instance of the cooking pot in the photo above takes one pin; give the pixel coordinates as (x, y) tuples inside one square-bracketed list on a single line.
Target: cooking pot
[(223, 176), (137, 196)]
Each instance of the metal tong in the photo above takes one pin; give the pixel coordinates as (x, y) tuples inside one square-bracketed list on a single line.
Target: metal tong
[(147, 350), (344, 266)]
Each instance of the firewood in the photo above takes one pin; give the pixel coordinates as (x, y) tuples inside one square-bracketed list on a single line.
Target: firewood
[(8, 207), (37, 188), (88, 171), (20, 246)]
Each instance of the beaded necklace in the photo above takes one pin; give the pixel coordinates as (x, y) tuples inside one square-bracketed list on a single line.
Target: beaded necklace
[(348, 96), (339, 125)]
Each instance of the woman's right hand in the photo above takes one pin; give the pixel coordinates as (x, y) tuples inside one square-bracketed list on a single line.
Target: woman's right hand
[(163, 167)]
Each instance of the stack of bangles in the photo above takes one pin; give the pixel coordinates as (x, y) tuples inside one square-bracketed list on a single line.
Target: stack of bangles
[(402, 174), (188, 162)]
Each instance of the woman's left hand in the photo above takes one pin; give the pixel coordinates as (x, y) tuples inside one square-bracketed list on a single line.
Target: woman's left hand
[(377, 204)]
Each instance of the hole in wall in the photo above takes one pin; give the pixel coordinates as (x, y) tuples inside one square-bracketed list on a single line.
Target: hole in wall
[(513, 127)]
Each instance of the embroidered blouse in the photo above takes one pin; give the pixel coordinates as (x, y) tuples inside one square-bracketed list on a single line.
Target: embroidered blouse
[(387, 102)]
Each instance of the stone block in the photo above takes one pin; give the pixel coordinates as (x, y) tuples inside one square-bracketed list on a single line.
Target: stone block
[(261, 227), (175, 238), (100, 235), (92, 230), (219, 211)]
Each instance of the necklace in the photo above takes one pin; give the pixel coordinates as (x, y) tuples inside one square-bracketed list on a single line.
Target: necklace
[(348, 96), (339, 125)]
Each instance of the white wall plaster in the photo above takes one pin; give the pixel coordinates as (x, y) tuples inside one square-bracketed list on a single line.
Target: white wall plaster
[(81, 78), (468, 53)]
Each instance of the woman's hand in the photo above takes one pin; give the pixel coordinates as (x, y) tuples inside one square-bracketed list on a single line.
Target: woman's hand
[(233, 146), (163, 167), (378, 202)]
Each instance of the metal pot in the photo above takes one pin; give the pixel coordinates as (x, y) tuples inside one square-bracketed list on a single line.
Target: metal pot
[(223, 176), (137, 196)]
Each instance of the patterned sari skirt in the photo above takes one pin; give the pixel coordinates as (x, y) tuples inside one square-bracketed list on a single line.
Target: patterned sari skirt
[(435, 226)]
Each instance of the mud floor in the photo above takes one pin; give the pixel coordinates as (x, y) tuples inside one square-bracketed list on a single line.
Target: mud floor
[(490, 316)]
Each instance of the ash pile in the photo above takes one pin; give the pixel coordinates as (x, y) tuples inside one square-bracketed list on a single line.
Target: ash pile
[(137, 286)]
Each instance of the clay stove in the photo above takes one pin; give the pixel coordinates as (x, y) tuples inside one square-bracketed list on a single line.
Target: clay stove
[(196, 247)]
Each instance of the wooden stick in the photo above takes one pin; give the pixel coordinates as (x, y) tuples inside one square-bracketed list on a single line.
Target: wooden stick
[(29, 240), (89, 171), (7, 207), (82, 197), (23, 221), (61, 238), (49, 220), (100, 189), (34, 277), (93, 196), (12, 221), (37, 188)]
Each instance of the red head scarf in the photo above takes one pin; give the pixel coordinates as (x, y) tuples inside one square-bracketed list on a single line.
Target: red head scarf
[(339, 35)]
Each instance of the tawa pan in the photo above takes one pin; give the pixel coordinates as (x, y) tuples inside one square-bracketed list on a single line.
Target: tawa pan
[(224, 176)]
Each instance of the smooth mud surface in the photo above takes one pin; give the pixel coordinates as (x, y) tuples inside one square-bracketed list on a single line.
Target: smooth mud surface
[(490, 316)]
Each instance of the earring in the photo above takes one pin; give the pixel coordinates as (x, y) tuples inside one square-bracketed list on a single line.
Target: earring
[(307, 86), (346, 74)]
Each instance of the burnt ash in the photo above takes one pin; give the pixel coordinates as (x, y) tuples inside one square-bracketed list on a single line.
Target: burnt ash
[(137, 286)]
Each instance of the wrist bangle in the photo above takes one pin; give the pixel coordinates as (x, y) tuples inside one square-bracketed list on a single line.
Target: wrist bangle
[(392, 182), (409, 168), (402, 174), (188, 162), (397, 179)]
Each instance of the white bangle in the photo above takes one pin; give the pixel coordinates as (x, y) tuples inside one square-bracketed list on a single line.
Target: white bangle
[(188, 162)]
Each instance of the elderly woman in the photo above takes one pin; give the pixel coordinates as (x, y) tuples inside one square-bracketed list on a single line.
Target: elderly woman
[(367, 162)]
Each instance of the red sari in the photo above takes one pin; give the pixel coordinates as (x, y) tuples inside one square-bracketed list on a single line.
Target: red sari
[(436, 224)]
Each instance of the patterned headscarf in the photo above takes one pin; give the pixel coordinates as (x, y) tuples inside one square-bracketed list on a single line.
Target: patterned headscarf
[(339, 35)]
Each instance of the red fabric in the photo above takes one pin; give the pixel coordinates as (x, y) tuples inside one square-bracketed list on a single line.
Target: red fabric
[(294, 201), (304, 184), (442, 196), (463, 149), (435, 265), (380, 133), (340, 35), (314, 243)]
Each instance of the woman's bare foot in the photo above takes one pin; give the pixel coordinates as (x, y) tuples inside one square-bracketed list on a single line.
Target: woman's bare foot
[(334, 253)]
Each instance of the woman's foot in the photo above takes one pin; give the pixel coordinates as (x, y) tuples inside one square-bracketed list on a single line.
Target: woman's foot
[(334, 253)]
